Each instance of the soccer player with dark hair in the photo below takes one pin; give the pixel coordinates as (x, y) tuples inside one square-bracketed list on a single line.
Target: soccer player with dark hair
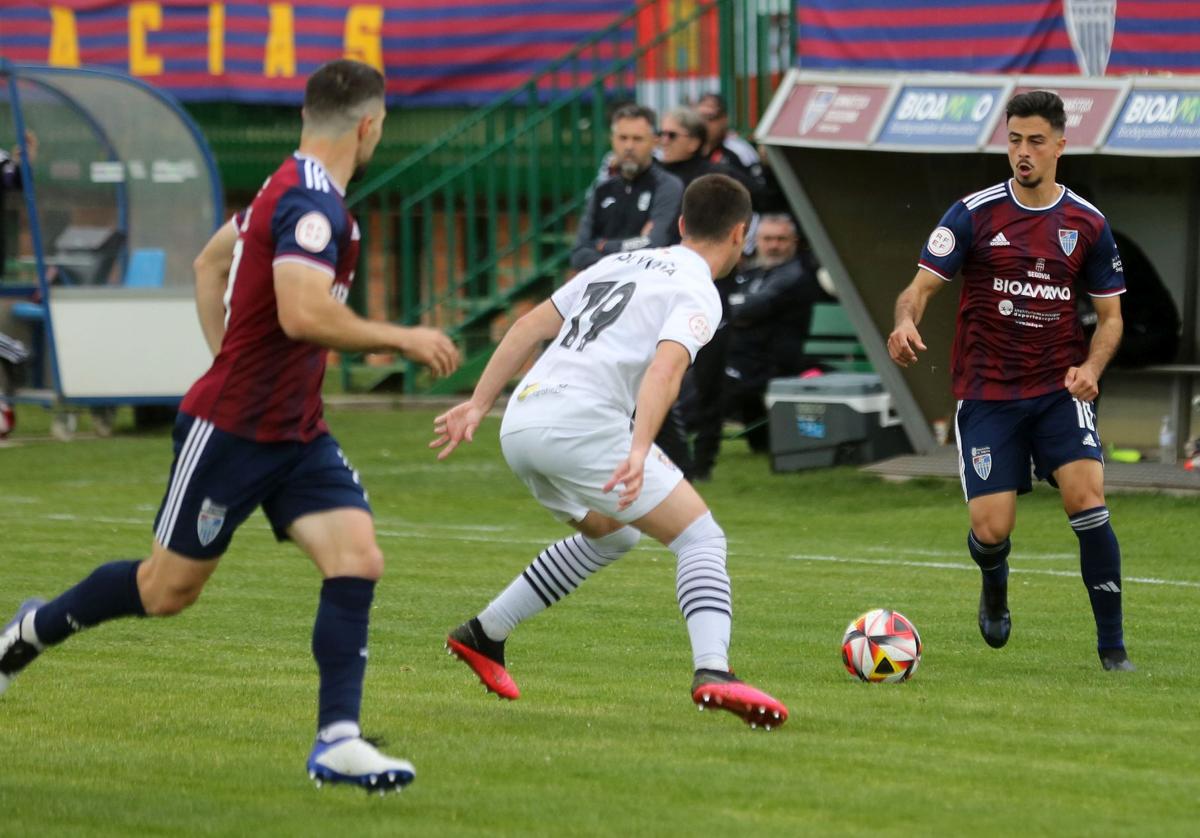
[(271, 288), (579, 433), (1025, 377)]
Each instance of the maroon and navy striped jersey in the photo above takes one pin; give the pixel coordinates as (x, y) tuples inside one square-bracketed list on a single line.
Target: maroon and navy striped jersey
[(263, 385), (1022, 267)]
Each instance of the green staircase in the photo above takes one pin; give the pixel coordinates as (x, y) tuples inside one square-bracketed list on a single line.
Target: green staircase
[(489, 209)]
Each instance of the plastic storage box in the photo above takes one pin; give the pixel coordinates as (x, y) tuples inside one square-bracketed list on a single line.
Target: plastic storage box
[(836, 419)]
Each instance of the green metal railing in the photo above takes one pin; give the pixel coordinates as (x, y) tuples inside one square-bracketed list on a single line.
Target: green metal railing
[(490, 219)]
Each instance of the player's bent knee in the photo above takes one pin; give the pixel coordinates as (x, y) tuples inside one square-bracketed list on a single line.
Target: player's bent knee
[(704, 531), (365, 563), (169, 602), (1079, 501), (990, 532), (616, 543)]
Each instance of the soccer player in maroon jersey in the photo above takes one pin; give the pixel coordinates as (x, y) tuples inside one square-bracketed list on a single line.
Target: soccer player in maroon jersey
[(1024, 376), (270, 291)]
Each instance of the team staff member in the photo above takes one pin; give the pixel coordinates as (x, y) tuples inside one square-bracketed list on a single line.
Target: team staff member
[(1025, 377), (637, 208), (622, 334), (770, 313), (270, 289)]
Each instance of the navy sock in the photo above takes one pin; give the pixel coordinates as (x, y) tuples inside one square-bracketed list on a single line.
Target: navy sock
[(991, 558), (339, 644), (1100, 565), (110, 592)]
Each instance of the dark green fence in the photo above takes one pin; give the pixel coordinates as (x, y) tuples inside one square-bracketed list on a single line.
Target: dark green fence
[(488, 208)]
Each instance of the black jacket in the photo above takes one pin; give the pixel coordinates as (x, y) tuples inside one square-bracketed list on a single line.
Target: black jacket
[(10, 178), (617, 212), (698, 165), (770, 311)]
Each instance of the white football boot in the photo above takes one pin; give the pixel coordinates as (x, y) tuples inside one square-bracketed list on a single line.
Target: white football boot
[(16, 652), (355, 760)]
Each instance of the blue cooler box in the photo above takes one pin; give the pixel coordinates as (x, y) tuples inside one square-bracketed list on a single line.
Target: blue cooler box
[(837, 419)]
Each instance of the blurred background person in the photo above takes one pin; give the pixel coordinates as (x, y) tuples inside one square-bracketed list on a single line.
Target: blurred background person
[(770, 312), (639, 206), (722, 145)]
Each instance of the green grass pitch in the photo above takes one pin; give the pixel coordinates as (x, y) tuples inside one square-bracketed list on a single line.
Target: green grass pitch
[(201, 724)]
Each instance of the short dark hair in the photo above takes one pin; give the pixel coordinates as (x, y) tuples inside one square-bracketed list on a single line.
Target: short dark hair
[(336, 91), (1043, 103), (718, 100), (713, 205), (635, 111)]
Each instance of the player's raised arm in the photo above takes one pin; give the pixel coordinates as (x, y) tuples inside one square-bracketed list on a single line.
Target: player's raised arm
[(905, 340), (521, 340), (659, 389), (212, 277), (308, 312)]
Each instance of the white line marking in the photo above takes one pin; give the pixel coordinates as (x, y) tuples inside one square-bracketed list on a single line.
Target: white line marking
[(426, 531), (1022, 555), (1177, 583)]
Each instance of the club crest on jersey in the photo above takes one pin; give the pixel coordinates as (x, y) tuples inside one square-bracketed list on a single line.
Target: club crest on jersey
[(210, 521), (981, 461), (1067, 239)]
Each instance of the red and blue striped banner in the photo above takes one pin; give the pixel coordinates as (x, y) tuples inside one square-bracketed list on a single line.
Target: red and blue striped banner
[(443, 53), (994, 36)]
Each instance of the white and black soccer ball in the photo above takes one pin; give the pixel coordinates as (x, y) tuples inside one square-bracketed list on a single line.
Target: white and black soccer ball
[(881, 646)]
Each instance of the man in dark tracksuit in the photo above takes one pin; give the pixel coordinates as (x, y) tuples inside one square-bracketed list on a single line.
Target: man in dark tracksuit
[(770, 311), (637, 207)]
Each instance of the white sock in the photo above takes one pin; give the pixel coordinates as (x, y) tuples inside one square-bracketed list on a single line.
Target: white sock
[(28, 633), (702, 586), (559, 569), (339, 730)]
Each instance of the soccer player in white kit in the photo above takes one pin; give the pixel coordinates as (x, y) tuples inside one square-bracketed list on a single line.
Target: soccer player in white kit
[(622, 333)]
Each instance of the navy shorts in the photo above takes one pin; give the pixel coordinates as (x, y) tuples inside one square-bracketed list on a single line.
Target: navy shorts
[(218, 479), (997, 440)]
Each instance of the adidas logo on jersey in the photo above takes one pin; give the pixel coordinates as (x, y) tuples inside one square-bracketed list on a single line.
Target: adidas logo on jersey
[(999, 240), (1089, 440)]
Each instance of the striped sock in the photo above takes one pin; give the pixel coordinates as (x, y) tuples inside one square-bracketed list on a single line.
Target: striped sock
[(559, 569), (991, 558), (1100, 566), (702, 586)]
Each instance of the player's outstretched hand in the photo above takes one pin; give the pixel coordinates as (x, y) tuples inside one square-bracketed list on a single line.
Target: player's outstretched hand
[(903, 343), (432, 348), (629, 476), (1082, 383), (455, 425)]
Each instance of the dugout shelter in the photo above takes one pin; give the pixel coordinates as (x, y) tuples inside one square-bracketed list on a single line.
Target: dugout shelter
[(122, 195), (869, 164)]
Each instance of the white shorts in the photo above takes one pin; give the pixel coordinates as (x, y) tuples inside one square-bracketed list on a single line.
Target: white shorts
[(566, 471)]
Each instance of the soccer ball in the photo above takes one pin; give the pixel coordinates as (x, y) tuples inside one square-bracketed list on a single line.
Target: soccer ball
[(881, 646), (8, 419)]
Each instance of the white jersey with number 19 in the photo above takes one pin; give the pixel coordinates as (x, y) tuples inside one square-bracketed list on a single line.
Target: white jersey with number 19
[(615, 314)]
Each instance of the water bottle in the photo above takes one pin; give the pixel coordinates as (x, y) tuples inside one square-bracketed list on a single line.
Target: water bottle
[(1166, 441)]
